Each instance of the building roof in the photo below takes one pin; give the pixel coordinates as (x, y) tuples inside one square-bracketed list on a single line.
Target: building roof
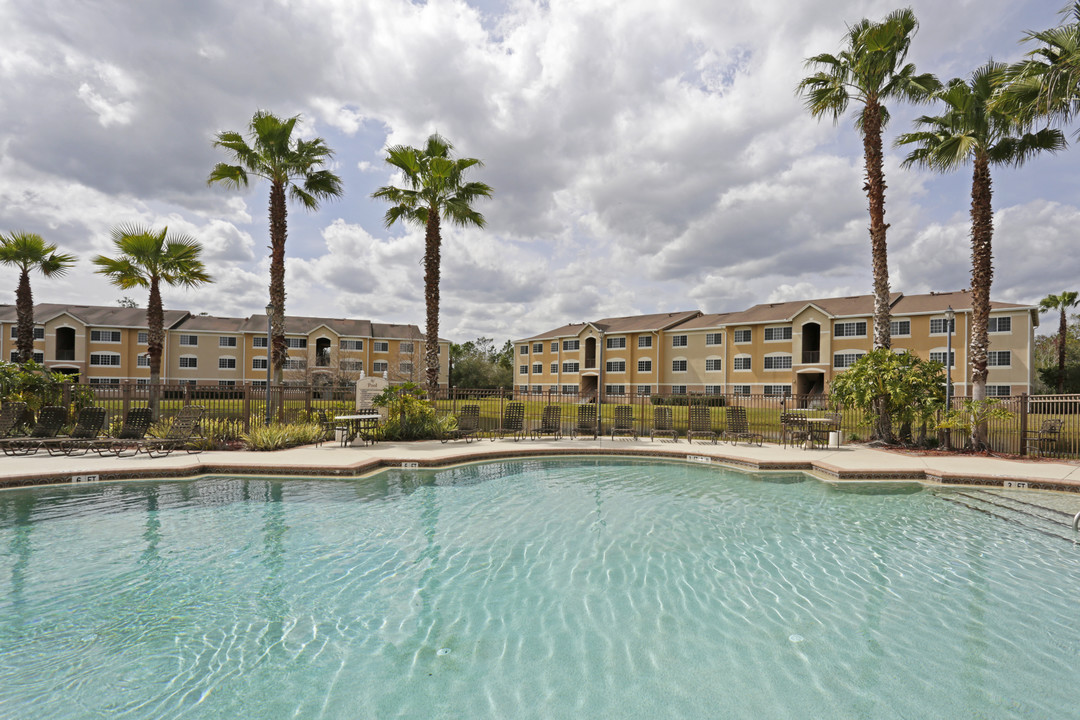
[(94, 315), (210, 323), (625, 324), (703, 322), (960, 301), (853, 305)]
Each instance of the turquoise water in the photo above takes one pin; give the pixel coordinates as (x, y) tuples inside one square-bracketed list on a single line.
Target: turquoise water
[(537, 589)]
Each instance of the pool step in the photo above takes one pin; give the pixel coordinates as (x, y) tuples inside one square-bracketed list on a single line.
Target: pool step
[(1028, 512)]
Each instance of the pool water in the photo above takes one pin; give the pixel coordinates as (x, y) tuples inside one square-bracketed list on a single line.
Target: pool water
[(537, 589)]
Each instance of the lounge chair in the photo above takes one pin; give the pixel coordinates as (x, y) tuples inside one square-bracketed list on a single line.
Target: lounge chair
[(131, 435), (326, 423), (1044, 440), (550, 423), (700, 424), (663, 424), (513, 422), (468, 425), (88, 428), (624, 422), (184, 429), (11, 418), (738, 428), (50, 421), (586, 421)]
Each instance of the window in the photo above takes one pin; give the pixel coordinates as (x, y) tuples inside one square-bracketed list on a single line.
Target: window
[(678, 366), (226, 383), (740, 389), (226, 363), (106, 336), (406, 348), (188, 362), (352, 344), (999, 358), (226, 342), (616, 366), (523, 370), (777, 390), (39, 333), (845, 360), (523, 389), (644, 341), (380, 346), (258, 341), (569, 389), (571, 344), (258, 383), (104, 358), (538, 368), (258, 363), (900, 327), (644, 390), (777, 333), (777, 362), (998, 325), (143, 360), (189, 340), (538, 348), (678, 341), (142, 381), (939, 356), (571, 367), (555, 346), (616, 343), (998, 391), (714, 338), (743, 336), (644, 366), (523, 350), (104, 381), (352, 365), (678, 389), (39, 357), (713, 365), (405, 368), (742, 362), (380, 366), (554, 368), (714, 389), (144, 338), (538, 389), (937, 326), (615, 389), (850, 329), (296, 343), (294, 364)]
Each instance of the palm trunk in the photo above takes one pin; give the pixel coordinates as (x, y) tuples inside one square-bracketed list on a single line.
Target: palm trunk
[(432, 243), (155, 343), (875, 193), (278, 233), (1063, 328), (24, 310), (982, 274)]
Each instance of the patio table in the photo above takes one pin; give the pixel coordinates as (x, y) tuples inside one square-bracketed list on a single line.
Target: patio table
[(363, 425)]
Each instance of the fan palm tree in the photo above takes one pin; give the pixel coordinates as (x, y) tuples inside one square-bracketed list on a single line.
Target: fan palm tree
[(292, 166), (973, 130), (147, 258), (1062, 302), (435, 190), (1047, 82), (28, 251)]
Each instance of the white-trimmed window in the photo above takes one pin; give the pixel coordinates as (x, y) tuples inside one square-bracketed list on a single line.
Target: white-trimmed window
[(714, 364), (776, 334), (939, 356), (744, 335), (999, 391), (538, 348), (714, 389), (226, 383), (523, 370), (259, 341), (296, 343), (740, 389), (778, 362), (999, 358), (616, 343), (571, 344), (614, 389), (538, 389), (189, 341), (644, 389), (380, 346), (555, 346), (937, 326), (142, 360), (380, 366), (226, 362), (538, 368), (352, 365), (226, 341), (716, 338), (189, 362), (523, 350), (644, 366), (294, 364), (258, 363), (143, 337), (678, 341), (104, 381), (777, 390), (406, 348), (678, 365), (615, 366), (571, 366), (258, 383), (899, 328), (845, 359), (850, 329), (1001, 324), (103, 359), (554, 368), (39, 357), (678, 389), (352, 344), (569, 389), (741, 362), (405, 368), (523, 389), (644, 341), (106, 336), (142, 381)]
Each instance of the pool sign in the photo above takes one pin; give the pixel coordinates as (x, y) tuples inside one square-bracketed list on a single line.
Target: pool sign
[(85, 478), (699, 459)]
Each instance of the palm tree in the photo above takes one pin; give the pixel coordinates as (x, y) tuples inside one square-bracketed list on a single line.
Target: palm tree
[(870, 70), (290, 165), (1047, 82), (28, 251), (436, 189), (146, 258), (1062, 302), (974, 130)]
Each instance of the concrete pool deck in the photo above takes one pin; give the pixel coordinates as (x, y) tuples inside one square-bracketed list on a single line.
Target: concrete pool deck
[(852, 462)]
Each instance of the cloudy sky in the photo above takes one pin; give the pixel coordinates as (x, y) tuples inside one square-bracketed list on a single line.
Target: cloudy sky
[(646, 156)]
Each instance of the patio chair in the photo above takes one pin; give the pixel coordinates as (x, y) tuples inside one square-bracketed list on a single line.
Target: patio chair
[(663, 424), (1044, 440), (11, 418), (88, 428), (513, 422), (468, 425), (794, 429), (132, 431), (624, 422), (586, 421), (50, 421), (819, 431), (550, 423), (738, 428), (183, 430), (700, 424)]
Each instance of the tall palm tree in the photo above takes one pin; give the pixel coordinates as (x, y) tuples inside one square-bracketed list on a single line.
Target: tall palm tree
[(974, 130), (1047, 82), (1062, 302), (435, 190), (870, 70), (28, 251), (147, 258), (290, 165)]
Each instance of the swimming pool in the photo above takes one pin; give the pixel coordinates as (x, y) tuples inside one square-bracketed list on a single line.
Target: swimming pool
[(561, 588)]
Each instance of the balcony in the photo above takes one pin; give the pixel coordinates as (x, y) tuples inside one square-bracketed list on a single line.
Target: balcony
[(811, 357)]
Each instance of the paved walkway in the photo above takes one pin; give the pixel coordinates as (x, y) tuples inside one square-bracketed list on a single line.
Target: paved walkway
[(853, 462)]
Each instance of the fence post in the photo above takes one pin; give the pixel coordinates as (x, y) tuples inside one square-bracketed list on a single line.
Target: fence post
[(65, 395), (307, 403), (125, 404), (1023, 422), (246, 388)]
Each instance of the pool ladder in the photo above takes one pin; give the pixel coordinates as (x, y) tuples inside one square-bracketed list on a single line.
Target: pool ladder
[(1076, 522)]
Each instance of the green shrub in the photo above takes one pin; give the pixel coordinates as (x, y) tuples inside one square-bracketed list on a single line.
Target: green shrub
[(409, 416), (278, 437), (684, 400)]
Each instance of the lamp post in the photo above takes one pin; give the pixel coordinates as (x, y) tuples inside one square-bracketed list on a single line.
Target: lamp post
[(950, 316), (269, 321)]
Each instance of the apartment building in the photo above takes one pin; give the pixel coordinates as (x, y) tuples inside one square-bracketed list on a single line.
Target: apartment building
[(108, 345), (771, 349)]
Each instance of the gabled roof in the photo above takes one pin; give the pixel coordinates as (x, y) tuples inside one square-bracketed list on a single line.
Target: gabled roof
[(851, 306), (210, 323), (703, 322), (626, 324), (960, 301), (94, 315)]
